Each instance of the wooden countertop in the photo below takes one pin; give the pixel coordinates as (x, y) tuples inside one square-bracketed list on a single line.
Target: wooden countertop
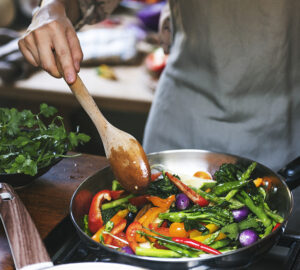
[(47, 199), (132, 92)]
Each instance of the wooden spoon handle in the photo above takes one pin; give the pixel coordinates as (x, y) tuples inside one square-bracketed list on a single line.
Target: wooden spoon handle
[(89, 105), (25, 242)]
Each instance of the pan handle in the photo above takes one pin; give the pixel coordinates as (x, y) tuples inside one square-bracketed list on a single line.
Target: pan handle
[(291, 173), (25, 242)]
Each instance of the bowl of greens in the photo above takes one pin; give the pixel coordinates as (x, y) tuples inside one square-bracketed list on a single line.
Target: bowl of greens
[(31, 143)]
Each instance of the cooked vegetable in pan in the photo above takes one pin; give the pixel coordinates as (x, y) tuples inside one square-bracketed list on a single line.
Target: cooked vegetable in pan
[(185, 216)]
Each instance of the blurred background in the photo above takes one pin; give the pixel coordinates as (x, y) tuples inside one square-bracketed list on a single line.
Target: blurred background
[(122, 64)]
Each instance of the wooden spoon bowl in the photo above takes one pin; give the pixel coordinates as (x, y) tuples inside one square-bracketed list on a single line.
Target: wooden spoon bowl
[(126, 156)]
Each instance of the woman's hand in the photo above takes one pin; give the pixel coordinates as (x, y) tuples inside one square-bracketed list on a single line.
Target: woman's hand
[(52, 31)]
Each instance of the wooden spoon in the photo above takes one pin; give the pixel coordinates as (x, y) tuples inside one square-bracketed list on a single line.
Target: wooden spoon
[(125, 154)]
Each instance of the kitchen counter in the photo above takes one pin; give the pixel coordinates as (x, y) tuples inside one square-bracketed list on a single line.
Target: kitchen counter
[(131, 92), (47, 198)]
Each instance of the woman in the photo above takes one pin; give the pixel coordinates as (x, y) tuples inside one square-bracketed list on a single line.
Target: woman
[(231, 84)]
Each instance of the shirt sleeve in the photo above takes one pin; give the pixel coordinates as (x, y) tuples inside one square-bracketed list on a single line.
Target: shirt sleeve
[(165, 32), (93, 11)]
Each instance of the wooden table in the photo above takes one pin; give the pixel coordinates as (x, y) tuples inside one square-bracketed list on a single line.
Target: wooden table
[(47, 198)]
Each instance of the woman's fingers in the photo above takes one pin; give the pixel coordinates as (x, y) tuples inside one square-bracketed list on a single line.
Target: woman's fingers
[(27, 54), (64, 56), (51, 30), (31, 47), (75, 48), (44, 46)]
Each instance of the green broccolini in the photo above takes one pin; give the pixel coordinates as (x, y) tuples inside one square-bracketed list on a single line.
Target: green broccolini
[(257, 210), (210, 214), (228, 172)]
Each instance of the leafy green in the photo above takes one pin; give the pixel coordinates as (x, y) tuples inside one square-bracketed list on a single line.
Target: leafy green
[(162, 188), (231, 230), (190, 224), (109, 213), (228, 172), (27, 143), (251, 222)]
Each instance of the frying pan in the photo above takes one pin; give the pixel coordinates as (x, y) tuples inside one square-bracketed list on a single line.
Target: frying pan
[(187, 162), (28, 250)]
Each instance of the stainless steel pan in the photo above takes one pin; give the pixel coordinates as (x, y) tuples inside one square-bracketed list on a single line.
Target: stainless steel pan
[(189, 161)]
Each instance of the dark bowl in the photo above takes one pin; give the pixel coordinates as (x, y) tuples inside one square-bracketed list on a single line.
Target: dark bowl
[(18, 180)]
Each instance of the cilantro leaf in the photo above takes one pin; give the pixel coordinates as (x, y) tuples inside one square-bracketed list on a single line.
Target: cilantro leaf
[(47, 111), (27, 143)]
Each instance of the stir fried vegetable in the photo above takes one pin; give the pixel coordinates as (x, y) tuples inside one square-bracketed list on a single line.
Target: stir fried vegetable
[(178, 219)]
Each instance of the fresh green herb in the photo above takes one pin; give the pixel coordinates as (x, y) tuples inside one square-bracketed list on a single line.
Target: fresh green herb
[(27, 143)]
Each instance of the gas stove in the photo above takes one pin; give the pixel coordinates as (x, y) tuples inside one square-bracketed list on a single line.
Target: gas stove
[(64, 246)]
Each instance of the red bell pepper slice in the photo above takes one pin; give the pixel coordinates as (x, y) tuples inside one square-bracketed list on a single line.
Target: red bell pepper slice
[(192, 195), (115, 194), (195, 244), (95, 216), (131, 234), (139, 200), (118, 243), (116, 229), (154, 176)]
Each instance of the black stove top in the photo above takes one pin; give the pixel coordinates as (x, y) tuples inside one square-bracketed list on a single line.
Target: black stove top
[(65, 246)]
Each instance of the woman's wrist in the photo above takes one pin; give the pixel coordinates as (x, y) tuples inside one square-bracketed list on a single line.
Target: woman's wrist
[(69, 7)]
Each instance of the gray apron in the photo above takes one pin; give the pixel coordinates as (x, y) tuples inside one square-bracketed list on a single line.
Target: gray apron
[(232, 83)]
